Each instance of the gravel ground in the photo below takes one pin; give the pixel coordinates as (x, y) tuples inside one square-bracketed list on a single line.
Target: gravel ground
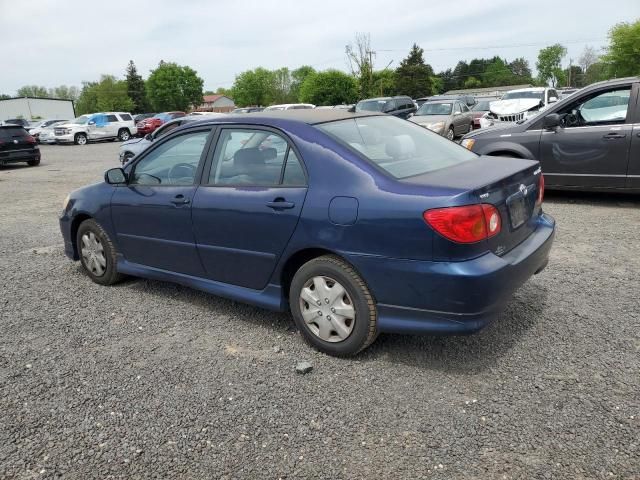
[(153, 380)]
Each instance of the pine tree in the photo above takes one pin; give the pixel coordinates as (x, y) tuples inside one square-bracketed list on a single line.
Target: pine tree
[(413, 76), (136, 89)]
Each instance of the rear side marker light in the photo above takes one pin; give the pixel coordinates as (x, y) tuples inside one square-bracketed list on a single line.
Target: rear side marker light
[(466, 224), (540, 190)]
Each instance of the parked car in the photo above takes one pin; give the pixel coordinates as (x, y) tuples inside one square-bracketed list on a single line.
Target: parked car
[(480, 109), (344, 107), (35, 130), (47, 134), (420, 101), (133, 147), (360, 223), (449, 118), (520, 104), (587, 141), (247, 110), (142, 116), (96, 127), (289, 106), (400, 106), (469, 100), (150, 124), (16, 145), (17, 121)]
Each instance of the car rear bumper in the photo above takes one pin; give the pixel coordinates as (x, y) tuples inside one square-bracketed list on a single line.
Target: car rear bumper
[(17, 156), (452, 297)]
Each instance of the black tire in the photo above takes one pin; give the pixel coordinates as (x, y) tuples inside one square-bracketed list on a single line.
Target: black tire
[(450, 134), (364, 330), (127, 156), (34, 163), (80, 139), (110, 275), (124, 134)]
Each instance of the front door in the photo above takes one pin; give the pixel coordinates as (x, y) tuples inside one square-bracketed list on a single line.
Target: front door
[(152, 213), (591, 146), (248, 206), (97, 127)]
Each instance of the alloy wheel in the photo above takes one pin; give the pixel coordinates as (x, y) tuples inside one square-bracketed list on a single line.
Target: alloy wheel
[(327, 309), (93, 254)]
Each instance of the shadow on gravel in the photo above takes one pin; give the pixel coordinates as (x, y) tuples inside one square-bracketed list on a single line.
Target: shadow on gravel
[(466, 354), (14, 166), (605, 199)]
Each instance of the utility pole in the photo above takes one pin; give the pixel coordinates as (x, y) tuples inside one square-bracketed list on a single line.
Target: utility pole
[(569, 76)]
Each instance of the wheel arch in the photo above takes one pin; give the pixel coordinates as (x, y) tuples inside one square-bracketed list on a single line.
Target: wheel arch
[(293, 263), (75, 225), (506, 148)]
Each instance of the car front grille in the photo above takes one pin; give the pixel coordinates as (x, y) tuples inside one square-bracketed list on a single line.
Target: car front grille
[(59, 131), (511, 118)]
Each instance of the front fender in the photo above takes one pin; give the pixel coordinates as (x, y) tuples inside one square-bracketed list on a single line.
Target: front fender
[(507, 147)]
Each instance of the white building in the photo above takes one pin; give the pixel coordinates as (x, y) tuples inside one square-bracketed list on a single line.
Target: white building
[(31, 108)]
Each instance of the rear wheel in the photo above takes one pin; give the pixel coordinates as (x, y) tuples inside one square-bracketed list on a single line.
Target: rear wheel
[(124, 135), (80, 139), (97, 253), (332, 307), (450, 134)]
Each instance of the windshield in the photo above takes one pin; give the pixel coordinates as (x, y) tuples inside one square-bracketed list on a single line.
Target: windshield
[(370, 106), (400, 148), (432, 108), (481, 106), (163, 116), (525, 94), (81, 120)]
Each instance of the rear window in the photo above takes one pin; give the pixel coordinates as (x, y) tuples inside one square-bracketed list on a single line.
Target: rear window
[(371, 106), (11, 132), (400, 148), (125, 117)]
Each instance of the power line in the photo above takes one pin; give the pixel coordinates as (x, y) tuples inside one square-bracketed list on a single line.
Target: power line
[(488, 47)]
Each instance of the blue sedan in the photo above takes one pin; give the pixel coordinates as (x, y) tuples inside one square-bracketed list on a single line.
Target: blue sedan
[(358, 223)]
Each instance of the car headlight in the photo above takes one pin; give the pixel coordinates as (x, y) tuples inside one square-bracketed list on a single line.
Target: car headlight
[(68, 131), (434, 127), (468, 143)]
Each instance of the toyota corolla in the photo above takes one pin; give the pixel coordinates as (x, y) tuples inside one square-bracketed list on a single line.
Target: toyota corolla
[(358, 223)]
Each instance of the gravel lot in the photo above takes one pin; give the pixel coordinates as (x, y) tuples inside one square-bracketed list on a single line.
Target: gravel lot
[(152, 380)]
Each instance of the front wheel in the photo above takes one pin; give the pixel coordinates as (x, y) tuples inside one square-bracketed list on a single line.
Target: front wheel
[(332, 307), (80, 139), (450, 134), (97, 253)]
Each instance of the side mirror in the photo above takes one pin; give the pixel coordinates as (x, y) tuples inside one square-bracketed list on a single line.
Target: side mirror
[(115, 176), (91, 123), (149, 137), (553, 99), (551, 121)]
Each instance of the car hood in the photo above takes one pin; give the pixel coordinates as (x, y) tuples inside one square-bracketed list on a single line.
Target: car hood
[(429, 118), (133, 141), (68, 125), (513, 105), (497, 129)]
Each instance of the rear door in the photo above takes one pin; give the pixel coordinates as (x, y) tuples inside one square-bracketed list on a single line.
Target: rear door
[(633, 172), (248, 205), (591, 148)]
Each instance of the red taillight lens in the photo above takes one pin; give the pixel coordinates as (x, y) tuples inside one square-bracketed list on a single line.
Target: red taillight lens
[(540, 190), (466, 224), (30, 139)]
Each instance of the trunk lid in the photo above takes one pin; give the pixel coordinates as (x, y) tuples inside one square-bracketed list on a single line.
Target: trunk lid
[(509, 184)]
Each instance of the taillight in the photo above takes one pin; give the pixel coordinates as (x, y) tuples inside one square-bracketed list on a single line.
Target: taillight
[(30, 139), (466, 224), (540, 191)]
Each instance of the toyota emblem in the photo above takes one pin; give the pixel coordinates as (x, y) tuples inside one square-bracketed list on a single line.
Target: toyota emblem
[(15, 141)]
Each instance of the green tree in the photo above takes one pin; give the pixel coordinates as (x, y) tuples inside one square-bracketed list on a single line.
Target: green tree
[(109, 94), (136, 89), (596, 73), (360, 57), (521, 71), (298, 77), (331, 87), (282, 86), (63, 91), (498, 74), (574, 76), (549, 65), (384, 83), (4, 96), (32, 91), (472, 82), (174, 87), (254, 87), (623, 52), (413, 76)]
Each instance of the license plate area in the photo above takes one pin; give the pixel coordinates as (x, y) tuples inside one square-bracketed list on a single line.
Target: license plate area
[(519, 207)]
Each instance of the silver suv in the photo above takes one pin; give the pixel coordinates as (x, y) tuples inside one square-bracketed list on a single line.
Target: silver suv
[(95, 127)]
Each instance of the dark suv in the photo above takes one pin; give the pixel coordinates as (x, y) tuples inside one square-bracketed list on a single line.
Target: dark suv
[(16, 145), (398, 106)]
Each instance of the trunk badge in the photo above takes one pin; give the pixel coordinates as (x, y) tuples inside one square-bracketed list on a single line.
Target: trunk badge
[(15, 141), (523, 189)]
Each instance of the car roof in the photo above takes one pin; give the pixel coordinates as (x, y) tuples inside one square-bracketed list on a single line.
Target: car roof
[(309, 116), (530, 89)]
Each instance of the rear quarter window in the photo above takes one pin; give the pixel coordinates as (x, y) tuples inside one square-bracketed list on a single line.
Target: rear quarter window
[(125, 117), (400, 148)]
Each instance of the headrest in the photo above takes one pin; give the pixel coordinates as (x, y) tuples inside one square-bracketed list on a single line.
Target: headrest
[(245, 158), (269, 153), (401, 146)]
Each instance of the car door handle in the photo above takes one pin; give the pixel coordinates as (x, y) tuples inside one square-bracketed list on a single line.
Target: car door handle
[(180, 200), (280, 204), (613, 136)]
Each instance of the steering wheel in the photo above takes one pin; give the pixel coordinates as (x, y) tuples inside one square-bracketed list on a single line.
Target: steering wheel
[(181, 171)]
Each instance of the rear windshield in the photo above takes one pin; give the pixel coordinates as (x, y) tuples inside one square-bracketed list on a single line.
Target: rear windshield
[(432, 108), (370, 106), (400, 148), (10, 132)]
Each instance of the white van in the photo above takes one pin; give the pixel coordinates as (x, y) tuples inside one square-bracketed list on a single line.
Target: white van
[(95, 127)]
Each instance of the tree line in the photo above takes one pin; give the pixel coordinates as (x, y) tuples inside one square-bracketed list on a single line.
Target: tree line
[(174, 87)]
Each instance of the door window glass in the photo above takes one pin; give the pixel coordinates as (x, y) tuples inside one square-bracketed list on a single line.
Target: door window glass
[(248, 157), (125, 117), (601, 108), (293, 172), (112, 118), (456, 108), (173, 162)]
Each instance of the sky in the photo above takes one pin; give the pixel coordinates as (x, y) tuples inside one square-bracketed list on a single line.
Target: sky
[(65, 42)]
